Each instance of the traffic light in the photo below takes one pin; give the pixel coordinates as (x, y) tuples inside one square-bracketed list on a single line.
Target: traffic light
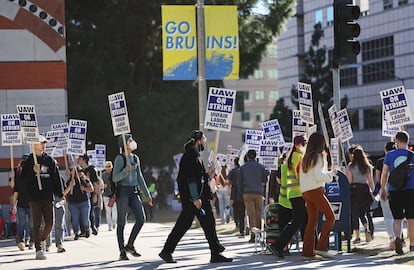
[(345, 30)]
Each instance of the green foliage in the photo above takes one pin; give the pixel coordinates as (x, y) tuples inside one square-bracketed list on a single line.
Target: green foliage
[(284, 115), (116, 45)]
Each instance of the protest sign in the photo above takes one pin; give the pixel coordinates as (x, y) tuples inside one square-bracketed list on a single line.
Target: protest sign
[(333, 117), (10, 130), (28, 123), (253, 138), (100, 156), (397, 111), (220, 107), (346, 129), (272, 131), (77, 137), (305, 102), (298, 126), (119, 113)]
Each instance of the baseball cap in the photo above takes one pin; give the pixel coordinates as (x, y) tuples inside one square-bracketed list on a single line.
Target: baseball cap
[(196, 134), (121, 142), (300, 139), (42, 139)]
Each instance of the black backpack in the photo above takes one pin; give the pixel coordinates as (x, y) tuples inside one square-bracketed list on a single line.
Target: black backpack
[(399, 177)]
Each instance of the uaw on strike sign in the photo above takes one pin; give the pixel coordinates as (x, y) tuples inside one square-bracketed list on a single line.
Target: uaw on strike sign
[(119, 113), (394, 102), (220, 107), (10, 130)]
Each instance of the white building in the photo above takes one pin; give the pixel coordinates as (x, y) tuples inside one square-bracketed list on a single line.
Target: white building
[(386, 59)]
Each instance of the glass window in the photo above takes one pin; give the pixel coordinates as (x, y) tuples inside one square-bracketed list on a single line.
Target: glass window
[(246, 95), (258, 74), (402, 2), (260, 116), (259, 95), (378, 48), (272, 74), (272, 51), (387, 4), (379, 71), (349, 76), (318, 16), (243, 137), (245, 116), (354, 119), (273, 95), (373, 118), (329, 15)]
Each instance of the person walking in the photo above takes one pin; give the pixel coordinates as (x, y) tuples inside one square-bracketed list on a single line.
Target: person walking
[(195, 194), (21, 208), (129, 181), (250, 181), (385, 203), (223, 195), (359, 174), (236, 199), (313, 176), (78, 192), (90, 173), (41, 196), (294, 195), (59, 208), (401, 201), (109, 190)]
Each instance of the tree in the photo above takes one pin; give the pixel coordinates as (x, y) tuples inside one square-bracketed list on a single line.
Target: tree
[(317, 72), (281, 113), (116, 45)]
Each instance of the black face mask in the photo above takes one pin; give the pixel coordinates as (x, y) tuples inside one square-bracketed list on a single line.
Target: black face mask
[(200, 147)]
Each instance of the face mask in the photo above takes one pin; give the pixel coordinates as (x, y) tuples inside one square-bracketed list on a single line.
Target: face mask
[(200, 147), (133, 145)]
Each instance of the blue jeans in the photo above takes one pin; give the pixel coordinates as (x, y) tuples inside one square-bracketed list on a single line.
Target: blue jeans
[(80, 214), (224, 201), (59, 221), (97, 215), (24, 220), (128, 197)]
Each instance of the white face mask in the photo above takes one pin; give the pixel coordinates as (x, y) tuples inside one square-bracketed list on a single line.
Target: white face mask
[(133, 145)]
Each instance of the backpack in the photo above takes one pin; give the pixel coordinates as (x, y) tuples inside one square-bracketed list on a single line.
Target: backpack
[(113, 184), (399, 177)]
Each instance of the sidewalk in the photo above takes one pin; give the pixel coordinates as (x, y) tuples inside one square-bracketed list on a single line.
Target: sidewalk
[(101, 252)]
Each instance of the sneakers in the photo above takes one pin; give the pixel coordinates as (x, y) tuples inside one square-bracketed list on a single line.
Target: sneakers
[(123, 256), (368, 237), (219, 259), (60, 249), (76, 236), (30, 245), (94, 231), (131, 249), (324, 254), (277, 252), (21, 246), (40, 255), (167, 257), (356, 241), (398, 246)]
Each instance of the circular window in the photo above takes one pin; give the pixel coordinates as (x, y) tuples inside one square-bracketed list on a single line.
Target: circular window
[(33, 8), (60, 30), (22, 3), (42, 15), (52, 22)]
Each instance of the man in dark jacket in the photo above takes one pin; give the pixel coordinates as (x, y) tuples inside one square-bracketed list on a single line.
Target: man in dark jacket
[(195, 199), (41, 193)]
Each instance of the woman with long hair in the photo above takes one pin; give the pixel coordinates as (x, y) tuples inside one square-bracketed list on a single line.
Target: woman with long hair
[(313, 176), (359, 174)]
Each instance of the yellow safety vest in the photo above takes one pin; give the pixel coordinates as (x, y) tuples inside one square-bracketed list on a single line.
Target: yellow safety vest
[(283, 199), (293, 187)]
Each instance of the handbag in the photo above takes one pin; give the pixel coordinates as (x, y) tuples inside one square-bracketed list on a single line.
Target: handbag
[(112, 200), (399, 177)]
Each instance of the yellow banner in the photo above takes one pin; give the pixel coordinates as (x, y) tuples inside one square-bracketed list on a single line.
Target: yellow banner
[(180, 42), (179, 37), (222, 42)]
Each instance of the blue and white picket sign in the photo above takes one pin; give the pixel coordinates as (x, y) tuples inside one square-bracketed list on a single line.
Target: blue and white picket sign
[(221, 159), (333, 117), (92, 157), (77, 137), (177, 159), (62, 143), (298, 126), (335, 152), (100, 155), (10, 130), (273, 131), (395, 104), (386, 130), (305, 102), (28, 123), (346, 129), (52, 137), (253, 138), (269, 152), (119, 113), (220, 107)]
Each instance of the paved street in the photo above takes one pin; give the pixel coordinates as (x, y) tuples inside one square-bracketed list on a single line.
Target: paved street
[(100, 252)]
